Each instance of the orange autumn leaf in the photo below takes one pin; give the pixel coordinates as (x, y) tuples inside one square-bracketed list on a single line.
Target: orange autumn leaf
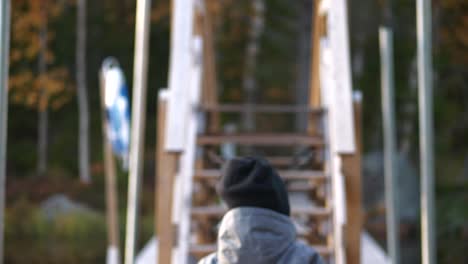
[(27, 86)]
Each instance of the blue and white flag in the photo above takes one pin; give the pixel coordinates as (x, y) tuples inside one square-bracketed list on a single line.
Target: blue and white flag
[(117, 106)]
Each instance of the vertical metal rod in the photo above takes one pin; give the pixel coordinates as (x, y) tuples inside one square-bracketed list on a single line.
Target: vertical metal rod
[(82, 92), (140, 73), (4, 57), (388, 114), (428, 243)]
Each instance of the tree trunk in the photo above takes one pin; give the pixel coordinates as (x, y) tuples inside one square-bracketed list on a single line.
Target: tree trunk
[(43, 102), (303, 61), (409, 113), (253, 45), (83, 133)]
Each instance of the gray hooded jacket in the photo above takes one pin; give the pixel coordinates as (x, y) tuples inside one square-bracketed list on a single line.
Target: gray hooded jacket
[(259, 236)]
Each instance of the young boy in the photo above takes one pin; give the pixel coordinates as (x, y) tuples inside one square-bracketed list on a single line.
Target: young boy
[(257, 228)]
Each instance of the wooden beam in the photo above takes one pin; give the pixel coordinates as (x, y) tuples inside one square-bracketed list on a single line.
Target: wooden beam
[(183, 188), (219, 211), (210, 82), (209, 248), (112, 214), (318, 31), (276, 161), (261, 139), (237, 108), (353, 171), (286, 174), (182, 22), (165, 174)]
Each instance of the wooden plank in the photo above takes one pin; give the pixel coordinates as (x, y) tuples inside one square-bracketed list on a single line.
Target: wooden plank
[(335, 195), (282, 161), (301, 186), (318, 31), (319, 28), (218, 211), (210, 81), (236, 108), (179, 65), (261, 139), (311, 211), (184, 182), (209, 248), (286, 174), (292, 187), (353, 171), (275, 161), (165, 173), (338, 84), (315, 87), (111, 182)]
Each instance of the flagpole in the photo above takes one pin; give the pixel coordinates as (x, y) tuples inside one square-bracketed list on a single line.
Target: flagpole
[(140, 72), (4, 58), (388, 114), (426, 143)]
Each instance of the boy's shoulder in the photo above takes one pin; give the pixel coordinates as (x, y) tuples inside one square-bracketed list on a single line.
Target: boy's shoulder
[(210, 259), (301, 253)]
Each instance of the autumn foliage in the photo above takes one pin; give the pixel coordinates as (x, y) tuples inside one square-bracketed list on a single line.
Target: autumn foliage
[(27, 86)]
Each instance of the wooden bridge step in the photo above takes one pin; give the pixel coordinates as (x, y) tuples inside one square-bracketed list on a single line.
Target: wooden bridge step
[(285, 174), (210, 248), (301, 186), (269, 108), (218, 211), (262, 139), (275, 161), (285, 161)]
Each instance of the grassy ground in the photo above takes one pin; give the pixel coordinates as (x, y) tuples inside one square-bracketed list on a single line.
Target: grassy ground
[(33, 237)]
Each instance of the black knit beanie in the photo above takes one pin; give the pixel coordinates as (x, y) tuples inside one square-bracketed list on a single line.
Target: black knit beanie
[(253, 182)]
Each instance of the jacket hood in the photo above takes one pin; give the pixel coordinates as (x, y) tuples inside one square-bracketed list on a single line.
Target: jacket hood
[(254, 235)]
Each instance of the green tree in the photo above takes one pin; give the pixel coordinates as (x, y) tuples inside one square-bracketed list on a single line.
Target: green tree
[(46, 86)]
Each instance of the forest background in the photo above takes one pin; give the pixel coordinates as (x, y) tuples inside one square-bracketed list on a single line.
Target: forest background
[(53, 93)]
